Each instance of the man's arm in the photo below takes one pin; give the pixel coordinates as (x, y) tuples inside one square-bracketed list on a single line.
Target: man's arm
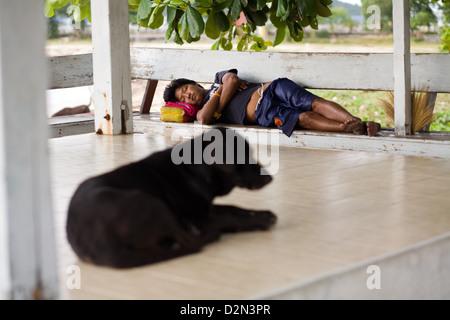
[(231, 84)]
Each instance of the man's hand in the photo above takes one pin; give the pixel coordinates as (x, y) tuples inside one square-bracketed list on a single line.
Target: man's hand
[(242, 85), (231, 84), (231, 79)]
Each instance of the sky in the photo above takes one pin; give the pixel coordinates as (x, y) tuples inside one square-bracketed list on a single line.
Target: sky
[(352, 1)]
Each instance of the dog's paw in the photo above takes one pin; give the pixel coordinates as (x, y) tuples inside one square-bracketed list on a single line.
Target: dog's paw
[(264, 219)]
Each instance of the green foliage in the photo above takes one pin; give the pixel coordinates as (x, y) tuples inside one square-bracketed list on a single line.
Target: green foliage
[(351, 9), (441, 121), (362, 104), (445, 30), (51, 5), (445, 38), (366, 105), (224, 20), (422, 14), (52, 28), (79, 9), (339, 16), (323, 34)]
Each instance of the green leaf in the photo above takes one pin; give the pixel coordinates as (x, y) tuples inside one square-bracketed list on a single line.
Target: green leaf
[(211, 30), (222, 21), (177, 38), (305, 21), (282, 9), (242, 44), (222, 5), (276, 21), (306, 7), (50, 5), (171, 13), (251, 5), (314, 23), (295, 31), (226, 44), (195, 22), (134, 2), (85, 13), (144, 22), (260, 4), (326, 2), (156, 18), (259, 40), (250, 23), (216, 45), (236, 9), (74, 10), (169, 32), (184, 32), (48, 9), (255, 47), (201, 3), (144, 9), (191, 39), (280, 34), (258, 17), (322, 10), (85, 3)]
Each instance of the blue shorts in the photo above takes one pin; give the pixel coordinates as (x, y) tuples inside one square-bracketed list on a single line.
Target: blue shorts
[(282, 103)]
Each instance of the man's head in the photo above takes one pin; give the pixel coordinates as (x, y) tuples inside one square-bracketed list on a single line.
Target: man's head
[(184, 90)]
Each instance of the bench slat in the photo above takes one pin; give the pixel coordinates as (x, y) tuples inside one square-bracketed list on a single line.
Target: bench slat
[(347, 71), (339, 71), (70, 71)]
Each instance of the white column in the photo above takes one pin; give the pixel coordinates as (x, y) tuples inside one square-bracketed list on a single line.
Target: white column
[(111, 64), (402, 68), (27, 248)]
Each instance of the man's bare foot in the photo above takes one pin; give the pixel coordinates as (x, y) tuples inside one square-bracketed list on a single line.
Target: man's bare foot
[(354, 125), (372, 128)]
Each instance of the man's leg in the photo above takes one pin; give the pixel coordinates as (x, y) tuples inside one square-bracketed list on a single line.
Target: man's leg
[(316, 121), (317, 113), (334, 111), (372, 128)]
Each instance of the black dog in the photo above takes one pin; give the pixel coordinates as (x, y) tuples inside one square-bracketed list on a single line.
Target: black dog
[(158, 208)]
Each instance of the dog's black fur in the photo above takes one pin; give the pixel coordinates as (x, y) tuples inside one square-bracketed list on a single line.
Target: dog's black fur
[(153, 210)]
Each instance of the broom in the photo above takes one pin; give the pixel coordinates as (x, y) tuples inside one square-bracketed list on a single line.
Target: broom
[(421, 111)]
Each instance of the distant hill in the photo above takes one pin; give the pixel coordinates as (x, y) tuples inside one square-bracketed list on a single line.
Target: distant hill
[(352, 9)]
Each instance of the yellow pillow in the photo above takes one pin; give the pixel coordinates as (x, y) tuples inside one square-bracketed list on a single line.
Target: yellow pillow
[(173, 114)]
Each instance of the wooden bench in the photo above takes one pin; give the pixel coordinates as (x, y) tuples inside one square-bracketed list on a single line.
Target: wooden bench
[(331, 71)]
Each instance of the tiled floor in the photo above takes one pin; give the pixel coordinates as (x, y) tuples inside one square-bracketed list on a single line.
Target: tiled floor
[(334, 208)]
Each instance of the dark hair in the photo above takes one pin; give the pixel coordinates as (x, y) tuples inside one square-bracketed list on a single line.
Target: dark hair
[(169, 91)]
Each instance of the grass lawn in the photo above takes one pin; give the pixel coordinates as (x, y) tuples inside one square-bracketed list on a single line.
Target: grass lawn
[(366, 105)]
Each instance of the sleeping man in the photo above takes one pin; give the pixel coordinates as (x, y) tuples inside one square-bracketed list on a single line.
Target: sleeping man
[(279, 103)]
